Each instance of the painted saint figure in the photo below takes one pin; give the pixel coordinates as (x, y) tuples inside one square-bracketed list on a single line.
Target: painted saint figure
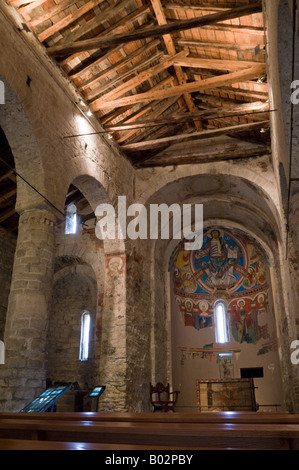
[(219, 268)]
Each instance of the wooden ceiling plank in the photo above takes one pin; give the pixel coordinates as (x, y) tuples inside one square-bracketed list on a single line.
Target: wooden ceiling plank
[(219, 45), (102, 18), (113, 68), (155, 31), (7, 195), (158, 10), (28, 4), (238, 93), (247, 109), (90, 62), (236, 28), (100, 89), (214, 64), (6, 175), (151, 144), (48, 13), (226, 153), (141, 77), (148, 109), (7, 214), (67, 20), (181, 6), (113, 114), (195, 86), (154, 115), (121, 24)]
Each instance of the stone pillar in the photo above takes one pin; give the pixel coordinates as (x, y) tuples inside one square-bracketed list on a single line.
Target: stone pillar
[(112, 331), (24, 374)]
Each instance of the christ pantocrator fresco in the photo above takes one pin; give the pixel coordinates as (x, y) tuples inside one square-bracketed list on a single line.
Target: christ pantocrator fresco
[(230, 265)]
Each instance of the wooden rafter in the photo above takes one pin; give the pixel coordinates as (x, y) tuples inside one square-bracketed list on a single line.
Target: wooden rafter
[(160, 75), (200, 157), (151, 144), (170, 46), (67, 20), (155, 31), (124, 88), (247, 109), (218, 81)]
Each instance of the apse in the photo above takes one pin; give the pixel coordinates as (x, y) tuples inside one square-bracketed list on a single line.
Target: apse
[(222, 318)]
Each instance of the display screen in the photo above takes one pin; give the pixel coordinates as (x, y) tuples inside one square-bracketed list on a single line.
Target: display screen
[(97, 391), (46, 399)]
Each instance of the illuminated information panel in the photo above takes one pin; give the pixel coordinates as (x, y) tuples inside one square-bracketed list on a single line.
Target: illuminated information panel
[(97, 391), (46, 400)]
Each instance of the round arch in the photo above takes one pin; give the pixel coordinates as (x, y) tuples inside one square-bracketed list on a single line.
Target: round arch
[(111, 305), (254, 214), (25, 149)]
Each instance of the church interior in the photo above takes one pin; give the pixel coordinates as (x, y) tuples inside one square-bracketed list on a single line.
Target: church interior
[(118, 107)]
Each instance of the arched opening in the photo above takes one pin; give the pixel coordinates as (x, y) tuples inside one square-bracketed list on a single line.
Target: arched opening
[(71, 219), (72, 347), (8, 224), (84, 336), (221, 322), (222, 318)]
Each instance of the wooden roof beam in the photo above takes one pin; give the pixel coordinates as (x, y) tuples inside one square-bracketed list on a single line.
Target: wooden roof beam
[(158, 10), (246, 109), (154, 31), (7, 214), (173, 158), (220, 45), (152, 144), (178, 90), (124, 88), (67, 20), (98, 89), (114, 67), (214, 64)]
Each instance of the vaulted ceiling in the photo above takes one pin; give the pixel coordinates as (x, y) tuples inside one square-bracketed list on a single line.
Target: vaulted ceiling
[(171, 81)]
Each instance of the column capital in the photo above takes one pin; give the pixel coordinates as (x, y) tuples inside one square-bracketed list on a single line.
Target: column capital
[(43, 214)]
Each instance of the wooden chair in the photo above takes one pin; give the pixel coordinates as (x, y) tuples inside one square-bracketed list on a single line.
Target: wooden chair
[(161, 398)]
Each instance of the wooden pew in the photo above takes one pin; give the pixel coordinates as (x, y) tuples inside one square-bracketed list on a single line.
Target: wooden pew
[(199, 417), (22, 444), (212, 432)]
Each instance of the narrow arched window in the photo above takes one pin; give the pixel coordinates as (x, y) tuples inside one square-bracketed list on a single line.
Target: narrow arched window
[(85, 336), (221, 322), (71, 219)]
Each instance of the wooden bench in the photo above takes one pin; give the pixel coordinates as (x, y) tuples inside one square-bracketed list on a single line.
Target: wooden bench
[(209, 431), (22, 444), (199, 417)]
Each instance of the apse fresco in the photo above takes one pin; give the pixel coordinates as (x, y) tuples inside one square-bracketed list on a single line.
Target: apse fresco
[(231, 266)]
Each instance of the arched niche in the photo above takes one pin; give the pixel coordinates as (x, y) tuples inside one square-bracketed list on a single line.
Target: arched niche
[(233, 268), (31, 182), (230, 202), (74, 291), (108, 261)]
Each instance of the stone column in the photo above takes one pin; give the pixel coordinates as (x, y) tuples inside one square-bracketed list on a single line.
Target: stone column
[(112, 330), (24, 374)]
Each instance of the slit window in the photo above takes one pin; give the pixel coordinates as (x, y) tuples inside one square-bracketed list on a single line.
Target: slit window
[(71, 219), (85, 336), (221, 322)]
